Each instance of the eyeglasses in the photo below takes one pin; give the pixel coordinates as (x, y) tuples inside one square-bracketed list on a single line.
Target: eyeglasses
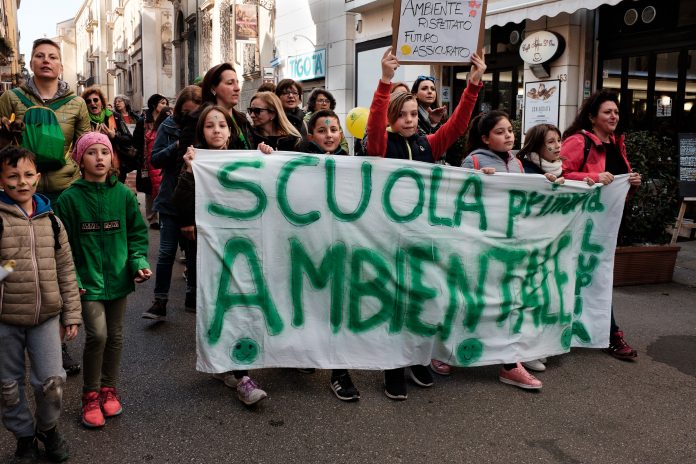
[(322, 101), (290, 92), (94, 100), (257, 111), (427, 78)]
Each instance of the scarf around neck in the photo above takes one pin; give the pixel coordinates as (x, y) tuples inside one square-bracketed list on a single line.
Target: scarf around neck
[(549, 167), (99, 118)]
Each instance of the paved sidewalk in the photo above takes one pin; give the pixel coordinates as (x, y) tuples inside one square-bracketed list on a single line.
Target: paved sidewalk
[(685, 270)]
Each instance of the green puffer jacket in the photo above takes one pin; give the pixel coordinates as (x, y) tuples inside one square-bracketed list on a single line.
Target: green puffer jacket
[(43, 284), (107, 234), (74, 121)]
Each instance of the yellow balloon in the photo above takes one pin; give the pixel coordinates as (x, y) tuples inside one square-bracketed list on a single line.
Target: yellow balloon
[(356, 121)]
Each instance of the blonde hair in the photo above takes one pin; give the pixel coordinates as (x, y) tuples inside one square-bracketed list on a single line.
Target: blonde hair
[(281, 123)]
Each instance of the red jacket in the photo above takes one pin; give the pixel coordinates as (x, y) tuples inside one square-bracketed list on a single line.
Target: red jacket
[(439, 142), (573, 153)]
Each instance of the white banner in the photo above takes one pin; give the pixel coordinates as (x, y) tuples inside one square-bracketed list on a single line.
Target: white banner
[(369, 263)]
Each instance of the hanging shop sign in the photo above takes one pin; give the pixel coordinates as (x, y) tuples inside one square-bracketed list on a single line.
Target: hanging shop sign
[(307, 66)]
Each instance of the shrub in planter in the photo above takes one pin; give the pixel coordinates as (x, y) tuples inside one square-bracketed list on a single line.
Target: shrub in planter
[(653, 206)]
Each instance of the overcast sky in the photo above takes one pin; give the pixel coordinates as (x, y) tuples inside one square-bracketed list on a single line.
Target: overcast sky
[(38, 18)]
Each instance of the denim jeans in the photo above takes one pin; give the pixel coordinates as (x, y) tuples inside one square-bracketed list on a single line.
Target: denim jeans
[(169, 243), (42, 344), (103, 342)]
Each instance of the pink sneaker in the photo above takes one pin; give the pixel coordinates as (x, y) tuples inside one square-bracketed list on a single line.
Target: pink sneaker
[(519, 377), (440, 367), (110, 403)]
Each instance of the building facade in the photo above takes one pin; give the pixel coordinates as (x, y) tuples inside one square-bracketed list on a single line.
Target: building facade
[(11, 62)]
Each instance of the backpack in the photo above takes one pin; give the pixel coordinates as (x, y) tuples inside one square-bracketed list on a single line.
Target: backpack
[(43, 135), (586, 152)]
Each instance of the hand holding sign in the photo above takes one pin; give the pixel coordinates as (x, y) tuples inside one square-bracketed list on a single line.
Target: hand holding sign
[(389, 66), (478, 67)]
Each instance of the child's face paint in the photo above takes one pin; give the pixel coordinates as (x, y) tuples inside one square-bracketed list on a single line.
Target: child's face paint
[(501, 138), (551, 151), (407, 122), (96, 163), (20, 182), (216, 131), (327, 134)]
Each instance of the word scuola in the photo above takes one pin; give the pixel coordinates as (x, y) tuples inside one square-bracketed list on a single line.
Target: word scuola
[(396, 281), (467, 203)]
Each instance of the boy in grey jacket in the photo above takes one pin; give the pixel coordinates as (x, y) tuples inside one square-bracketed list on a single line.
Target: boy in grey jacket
[(39, 301)]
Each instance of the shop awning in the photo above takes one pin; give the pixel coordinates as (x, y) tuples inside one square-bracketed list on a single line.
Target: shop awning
[(501, 12)]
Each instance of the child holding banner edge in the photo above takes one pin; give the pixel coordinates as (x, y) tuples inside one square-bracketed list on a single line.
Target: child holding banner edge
[(213, 132), (400, 112)]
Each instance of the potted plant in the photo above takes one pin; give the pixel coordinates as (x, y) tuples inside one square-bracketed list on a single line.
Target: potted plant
[(642, 256)]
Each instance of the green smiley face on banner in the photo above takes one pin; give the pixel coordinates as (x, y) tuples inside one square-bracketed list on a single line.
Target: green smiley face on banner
[(245, 351), (469, 351)]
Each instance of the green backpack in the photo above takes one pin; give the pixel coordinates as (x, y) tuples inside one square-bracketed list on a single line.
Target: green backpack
[(42, 133)]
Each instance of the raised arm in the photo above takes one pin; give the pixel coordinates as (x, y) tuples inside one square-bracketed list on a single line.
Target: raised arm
[(457, 125), (377, 121)]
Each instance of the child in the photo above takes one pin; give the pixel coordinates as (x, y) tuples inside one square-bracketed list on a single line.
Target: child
[(324, 136), (489, 143), (109, 236), (39, 301), (213, 133), (400, 111), (541, 153)]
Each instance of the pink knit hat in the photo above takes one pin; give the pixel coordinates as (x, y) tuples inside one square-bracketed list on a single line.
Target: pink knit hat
[(87, 140)]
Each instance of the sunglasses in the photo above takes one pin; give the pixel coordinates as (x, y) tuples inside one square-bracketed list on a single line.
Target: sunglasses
[(427, 78), (94, 100), (257, 111)]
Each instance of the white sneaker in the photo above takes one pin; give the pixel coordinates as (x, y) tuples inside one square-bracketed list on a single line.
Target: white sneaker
[(543, 360), (249, 392), (227, 378), (536, 365)]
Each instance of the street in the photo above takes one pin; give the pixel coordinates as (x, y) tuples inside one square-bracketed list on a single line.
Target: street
[(592, 409)]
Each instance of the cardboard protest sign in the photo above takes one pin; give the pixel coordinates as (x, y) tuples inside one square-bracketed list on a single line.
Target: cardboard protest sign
[(347, 262), (445, 32)]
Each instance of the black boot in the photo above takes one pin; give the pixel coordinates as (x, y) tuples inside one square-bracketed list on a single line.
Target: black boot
[(55, 445), (27, 450), (157, 311)]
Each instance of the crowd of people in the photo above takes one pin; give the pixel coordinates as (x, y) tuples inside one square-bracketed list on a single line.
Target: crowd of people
[(79, 242)]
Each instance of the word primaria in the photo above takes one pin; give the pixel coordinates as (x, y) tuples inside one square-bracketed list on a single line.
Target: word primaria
[(424, 51), (405, 284), (433, 8), (444, 24)]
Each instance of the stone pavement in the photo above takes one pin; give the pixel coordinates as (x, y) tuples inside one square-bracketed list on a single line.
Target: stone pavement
[(685, 270)]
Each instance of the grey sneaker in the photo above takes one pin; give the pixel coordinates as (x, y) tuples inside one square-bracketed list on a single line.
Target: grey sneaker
[(249, 392), (536, 365)]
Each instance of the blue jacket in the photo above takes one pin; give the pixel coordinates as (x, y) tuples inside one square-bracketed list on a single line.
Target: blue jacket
[(167, 156)]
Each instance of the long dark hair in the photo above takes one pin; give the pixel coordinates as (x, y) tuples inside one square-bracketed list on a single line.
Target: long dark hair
[(534, 139), (482, 125), (212, 79), (590, 108), (417, 83), (200, 137)]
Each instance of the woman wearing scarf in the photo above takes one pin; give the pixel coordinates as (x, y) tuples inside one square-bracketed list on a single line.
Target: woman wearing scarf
[(112, 125)]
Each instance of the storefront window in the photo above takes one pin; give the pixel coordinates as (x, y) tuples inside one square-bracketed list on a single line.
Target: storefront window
[(690, 94), (611, 74), (666, 69), (638, 91)]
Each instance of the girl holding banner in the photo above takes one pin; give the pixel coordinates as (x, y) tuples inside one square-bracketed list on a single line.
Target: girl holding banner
[(400, 112)]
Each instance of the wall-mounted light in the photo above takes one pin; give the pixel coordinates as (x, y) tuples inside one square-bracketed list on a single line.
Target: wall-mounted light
[(688, 106), (665, 100)]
